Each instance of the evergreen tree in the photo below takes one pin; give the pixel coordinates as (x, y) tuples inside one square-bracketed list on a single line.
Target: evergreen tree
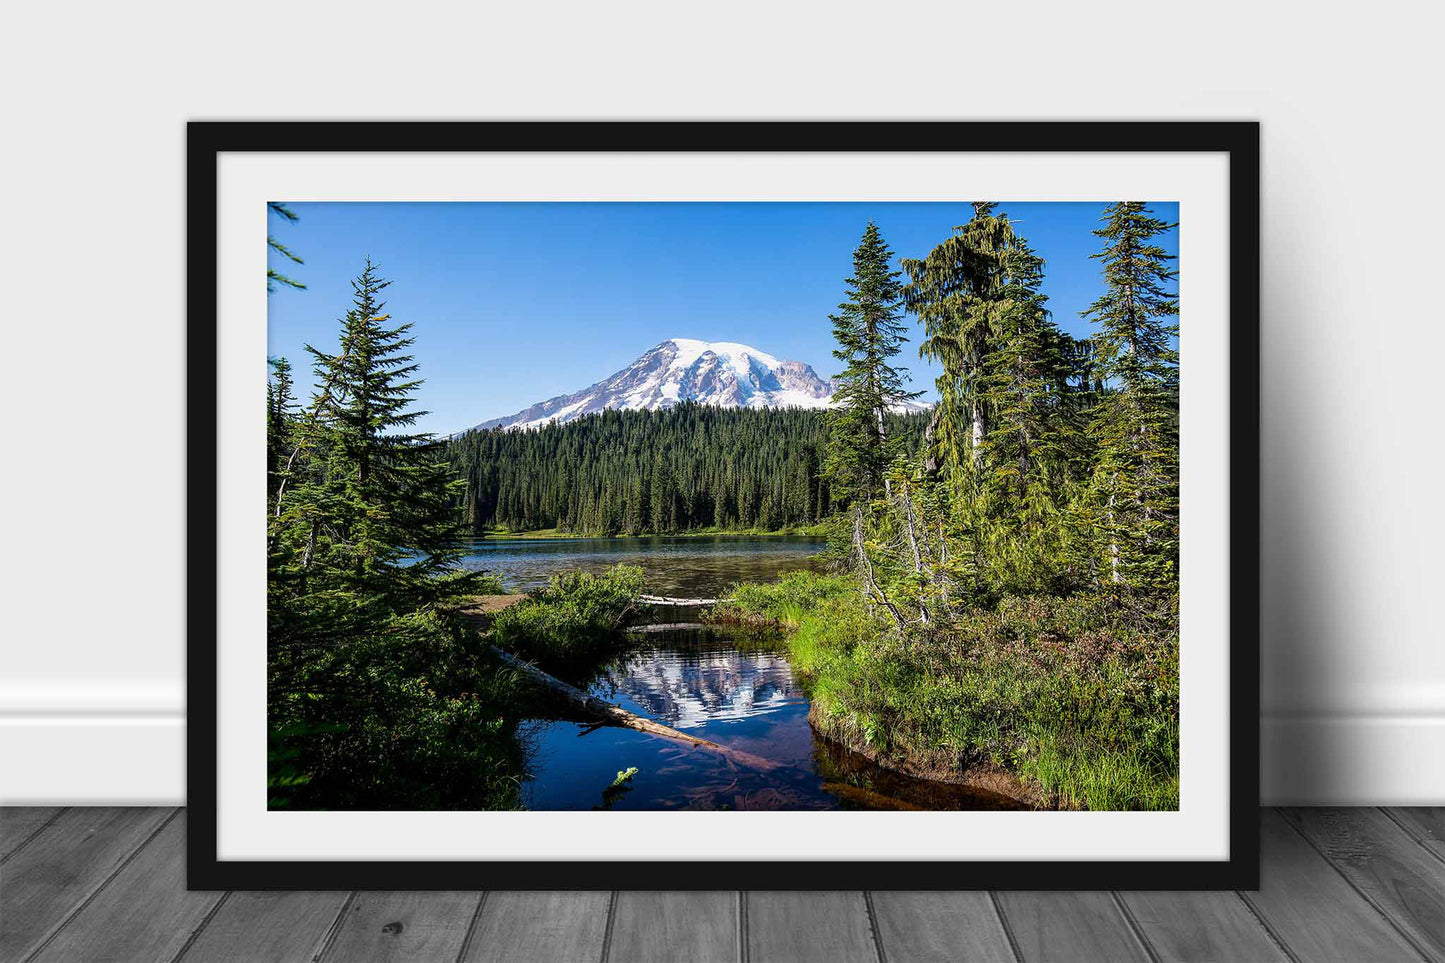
[(274, 277), (1018, 381), (869, 335), (1004, 451), (663, 519), (1135, 496), (717, 458), (374, 513), (375, 694), (1024, 484), (280, 422), (639, 505), (956, 292), (385, 463)]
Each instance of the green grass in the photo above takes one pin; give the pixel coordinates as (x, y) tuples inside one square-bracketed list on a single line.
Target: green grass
[(577, 614), (1072, 695), (786, 602)]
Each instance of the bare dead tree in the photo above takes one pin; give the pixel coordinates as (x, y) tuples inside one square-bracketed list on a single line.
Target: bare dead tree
[(866, 564)]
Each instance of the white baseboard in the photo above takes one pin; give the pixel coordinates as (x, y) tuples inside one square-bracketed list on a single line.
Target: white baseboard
[(1353, 760), (135, 755), (132, 759), (93, 744)]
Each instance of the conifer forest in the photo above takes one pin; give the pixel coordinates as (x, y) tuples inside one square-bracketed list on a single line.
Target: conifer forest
[(965, 590)]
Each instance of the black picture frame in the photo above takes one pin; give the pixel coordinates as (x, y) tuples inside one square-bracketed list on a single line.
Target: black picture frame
[(1238, 139)]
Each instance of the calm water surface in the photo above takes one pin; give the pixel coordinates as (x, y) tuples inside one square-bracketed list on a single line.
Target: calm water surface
[(688, 567), (736, 692), (732, 690)]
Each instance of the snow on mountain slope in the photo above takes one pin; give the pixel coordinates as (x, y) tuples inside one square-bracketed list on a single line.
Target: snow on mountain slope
[(719, 373)]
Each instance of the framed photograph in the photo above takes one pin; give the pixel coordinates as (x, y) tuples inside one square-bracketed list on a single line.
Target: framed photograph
[(723, 505)]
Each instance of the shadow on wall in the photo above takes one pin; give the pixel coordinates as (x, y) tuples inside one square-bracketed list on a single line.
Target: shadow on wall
[(1314, 738)]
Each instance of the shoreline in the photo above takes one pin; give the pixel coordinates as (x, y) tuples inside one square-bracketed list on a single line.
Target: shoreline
[(978, 730), (990, 779), (551, 534)]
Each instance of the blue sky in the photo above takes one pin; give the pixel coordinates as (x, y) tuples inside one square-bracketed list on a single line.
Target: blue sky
[(516, 303)]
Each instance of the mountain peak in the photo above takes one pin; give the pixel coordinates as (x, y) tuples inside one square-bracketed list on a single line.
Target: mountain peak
[(722, 373), (689, 350)]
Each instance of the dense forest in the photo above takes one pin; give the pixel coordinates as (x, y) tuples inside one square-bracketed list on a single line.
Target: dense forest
[(1019, 578), (647, 472)]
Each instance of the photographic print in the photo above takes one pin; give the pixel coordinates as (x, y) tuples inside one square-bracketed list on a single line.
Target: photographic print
[(585, 514), (723, 506)]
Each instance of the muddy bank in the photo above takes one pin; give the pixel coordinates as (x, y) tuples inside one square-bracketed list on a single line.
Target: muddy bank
[(984, 779), (480, 610)]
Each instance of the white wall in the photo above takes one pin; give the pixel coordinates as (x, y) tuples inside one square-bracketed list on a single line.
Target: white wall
[(91, 680)]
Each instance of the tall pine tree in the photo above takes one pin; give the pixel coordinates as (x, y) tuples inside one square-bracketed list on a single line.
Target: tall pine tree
[(280, 422), (1135, 493), (956, 292), (375, 694), (1024, 458), (375, 514), (869, 336)]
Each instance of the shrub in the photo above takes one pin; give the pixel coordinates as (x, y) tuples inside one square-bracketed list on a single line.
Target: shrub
[(576, 614), (407, 716), (1077, 695), (787, 601)]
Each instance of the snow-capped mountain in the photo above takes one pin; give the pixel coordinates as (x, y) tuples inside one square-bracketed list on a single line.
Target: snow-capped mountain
[(709, 372)]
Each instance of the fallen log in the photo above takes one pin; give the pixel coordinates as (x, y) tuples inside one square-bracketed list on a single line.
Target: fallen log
[(652, 627), (618, 716), (666, 600)]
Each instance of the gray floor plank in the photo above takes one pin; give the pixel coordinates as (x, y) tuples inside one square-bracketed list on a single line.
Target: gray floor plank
[(1426, 824), (144, 913), (1387, 865), (108, 884), (1309, 905), (700, 927), (290, 927), (19, 823), (927, 927), (419, 927), (1202, 928), (62, 866), (809, 928), (1071, 927), (540, 928)]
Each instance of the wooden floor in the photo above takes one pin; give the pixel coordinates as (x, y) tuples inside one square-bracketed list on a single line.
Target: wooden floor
[(1354, 885)]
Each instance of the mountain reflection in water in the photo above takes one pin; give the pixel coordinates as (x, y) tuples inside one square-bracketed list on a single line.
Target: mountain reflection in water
[(688, 686), (734, 692)]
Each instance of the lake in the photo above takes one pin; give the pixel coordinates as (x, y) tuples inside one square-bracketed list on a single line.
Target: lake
[(727, 687), (700, 566)]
